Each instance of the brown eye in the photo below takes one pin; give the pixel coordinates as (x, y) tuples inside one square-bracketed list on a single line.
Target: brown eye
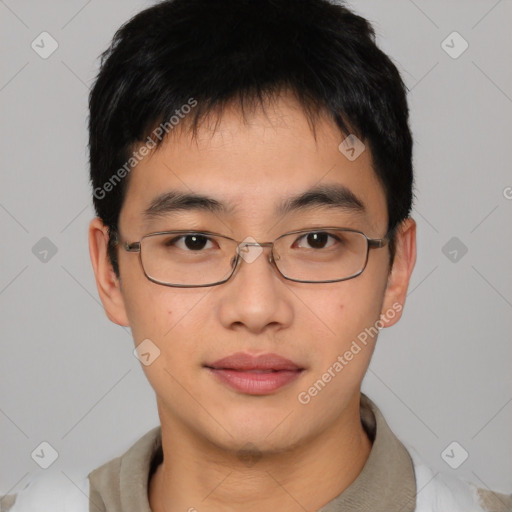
[(315, 240), (190, 242), (195, 242)]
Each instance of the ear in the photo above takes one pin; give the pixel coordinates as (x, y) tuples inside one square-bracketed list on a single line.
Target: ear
[(398, 279), (109, 286)]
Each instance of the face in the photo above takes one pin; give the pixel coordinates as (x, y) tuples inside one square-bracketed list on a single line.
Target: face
[(251, 169)]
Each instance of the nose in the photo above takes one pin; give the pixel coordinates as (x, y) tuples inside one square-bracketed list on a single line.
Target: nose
[(256, 298)]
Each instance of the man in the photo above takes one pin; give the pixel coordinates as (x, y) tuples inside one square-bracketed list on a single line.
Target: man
[(252, 175)]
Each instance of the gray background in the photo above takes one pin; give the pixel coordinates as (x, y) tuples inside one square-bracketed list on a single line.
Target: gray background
[(443, 374)]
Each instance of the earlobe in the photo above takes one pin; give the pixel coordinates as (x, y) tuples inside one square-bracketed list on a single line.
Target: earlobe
[(109, 286), (399, 277)]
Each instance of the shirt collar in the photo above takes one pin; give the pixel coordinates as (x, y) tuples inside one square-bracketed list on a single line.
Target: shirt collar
[(386, 482)]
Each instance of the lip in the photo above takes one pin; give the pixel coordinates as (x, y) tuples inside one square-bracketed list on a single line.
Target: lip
[(255, 375)]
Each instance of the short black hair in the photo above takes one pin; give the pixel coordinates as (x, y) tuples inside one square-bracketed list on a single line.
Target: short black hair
[(216, 52)]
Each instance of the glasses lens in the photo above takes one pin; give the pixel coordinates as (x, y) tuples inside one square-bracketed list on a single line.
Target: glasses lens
[(187, 259), (323, 255)]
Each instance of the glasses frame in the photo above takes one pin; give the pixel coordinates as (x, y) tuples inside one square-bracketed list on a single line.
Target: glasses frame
[(371, 243)]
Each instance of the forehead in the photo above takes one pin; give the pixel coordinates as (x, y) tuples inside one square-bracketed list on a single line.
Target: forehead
[(252, 166)]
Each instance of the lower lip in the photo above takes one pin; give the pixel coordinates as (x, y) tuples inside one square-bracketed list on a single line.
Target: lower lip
[(255, 383)]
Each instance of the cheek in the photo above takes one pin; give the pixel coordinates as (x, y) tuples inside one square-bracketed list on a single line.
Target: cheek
[(350, 306), (164, 322), (348, 312), (155, 311)]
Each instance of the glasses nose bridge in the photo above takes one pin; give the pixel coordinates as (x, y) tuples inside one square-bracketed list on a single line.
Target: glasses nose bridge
[(255, 244), (242, 245)]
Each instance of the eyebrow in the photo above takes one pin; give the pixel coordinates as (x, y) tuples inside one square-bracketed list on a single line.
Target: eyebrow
[(170, 202), (331, 196)]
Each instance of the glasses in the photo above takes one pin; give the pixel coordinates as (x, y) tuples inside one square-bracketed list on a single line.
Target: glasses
[(189, 259)]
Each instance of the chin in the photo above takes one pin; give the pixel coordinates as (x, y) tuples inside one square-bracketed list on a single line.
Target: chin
[(266, 432)]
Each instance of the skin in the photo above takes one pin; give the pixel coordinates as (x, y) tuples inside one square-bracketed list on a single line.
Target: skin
[(252, 166)]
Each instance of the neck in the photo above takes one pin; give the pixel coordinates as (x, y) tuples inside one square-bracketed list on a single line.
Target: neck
[(195, 475)]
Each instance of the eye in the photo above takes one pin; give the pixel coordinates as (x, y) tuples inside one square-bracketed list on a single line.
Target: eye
[(190, 242), (316, 240)]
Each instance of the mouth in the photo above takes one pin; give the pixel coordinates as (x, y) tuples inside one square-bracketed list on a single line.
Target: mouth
[(255, 375)]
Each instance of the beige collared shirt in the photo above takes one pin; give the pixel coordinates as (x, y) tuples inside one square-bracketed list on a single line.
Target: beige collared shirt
[(386, 482)]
